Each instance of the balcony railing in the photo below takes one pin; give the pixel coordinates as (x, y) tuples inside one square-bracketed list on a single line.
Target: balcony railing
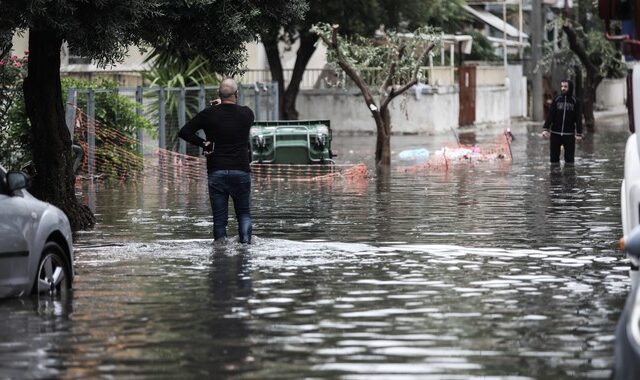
[(329, 78)]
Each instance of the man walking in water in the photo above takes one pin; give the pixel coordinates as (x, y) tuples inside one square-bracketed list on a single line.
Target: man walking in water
[(563, 124), (226, 127)]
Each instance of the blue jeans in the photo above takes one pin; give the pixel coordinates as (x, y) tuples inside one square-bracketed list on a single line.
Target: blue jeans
[(237, 184)]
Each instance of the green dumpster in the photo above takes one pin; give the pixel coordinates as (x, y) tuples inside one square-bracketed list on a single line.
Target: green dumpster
[(302, 142)]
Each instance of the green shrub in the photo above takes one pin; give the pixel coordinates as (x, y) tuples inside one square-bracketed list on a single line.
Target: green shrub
[(14, 126), (117, 157), (117, 122)]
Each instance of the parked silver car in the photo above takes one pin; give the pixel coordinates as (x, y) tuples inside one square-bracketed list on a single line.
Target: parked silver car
[(36, 252)]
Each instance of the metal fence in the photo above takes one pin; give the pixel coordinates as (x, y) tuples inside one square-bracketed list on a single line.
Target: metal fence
[(167, 108), (329, 78)]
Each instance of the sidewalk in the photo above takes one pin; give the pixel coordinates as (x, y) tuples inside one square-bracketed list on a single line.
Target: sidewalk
[(619, 115), (618, 112)]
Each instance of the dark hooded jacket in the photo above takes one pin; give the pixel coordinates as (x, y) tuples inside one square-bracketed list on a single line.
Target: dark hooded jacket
[(565, 115)]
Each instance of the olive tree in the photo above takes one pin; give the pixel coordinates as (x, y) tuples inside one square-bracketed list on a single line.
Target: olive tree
[(104, 30), (398, 58)]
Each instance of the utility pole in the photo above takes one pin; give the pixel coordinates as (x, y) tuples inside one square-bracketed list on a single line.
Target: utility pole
[(536, 56)]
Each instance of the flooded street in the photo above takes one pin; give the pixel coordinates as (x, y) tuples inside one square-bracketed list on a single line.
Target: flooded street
[(494, 270)]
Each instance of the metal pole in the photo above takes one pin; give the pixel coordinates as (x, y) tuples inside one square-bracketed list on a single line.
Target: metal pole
[(201, 106), (201, 98), (452, 66), (70, 113), (276, 100), (241, 100), (182, 110), (162, 122), (139, 112), (536, 55), (91, 132), (442, 51), (520, 21), (504, 34), (256, 96), (452, 49)]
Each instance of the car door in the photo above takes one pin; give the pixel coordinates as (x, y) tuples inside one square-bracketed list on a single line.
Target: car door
[(14, 248)]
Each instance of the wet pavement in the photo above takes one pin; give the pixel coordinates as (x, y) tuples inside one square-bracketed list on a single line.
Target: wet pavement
[(496, 270)]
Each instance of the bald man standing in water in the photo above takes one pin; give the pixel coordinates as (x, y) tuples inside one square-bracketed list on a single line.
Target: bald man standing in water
[(226, 127)]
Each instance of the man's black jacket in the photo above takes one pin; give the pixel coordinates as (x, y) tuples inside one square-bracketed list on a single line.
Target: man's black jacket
[(227, 126), (565, 115)]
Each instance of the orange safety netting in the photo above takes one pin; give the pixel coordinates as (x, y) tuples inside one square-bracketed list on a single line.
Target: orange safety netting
[(115, 153), (313, 172), (167, 164), (116, 157), (349, 178), (449, 156)]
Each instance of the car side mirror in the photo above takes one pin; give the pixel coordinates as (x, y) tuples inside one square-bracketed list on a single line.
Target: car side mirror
[(17, 181)]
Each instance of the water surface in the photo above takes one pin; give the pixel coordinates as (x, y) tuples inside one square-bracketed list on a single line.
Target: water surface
[(494, 270)]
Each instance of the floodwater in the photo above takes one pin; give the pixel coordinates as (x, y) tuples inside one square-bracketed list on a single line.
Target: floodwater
[(494, 270)]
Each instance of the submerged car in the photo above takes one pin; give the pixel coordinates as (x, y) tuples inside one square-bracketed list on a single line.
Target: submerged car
[(36, 251)]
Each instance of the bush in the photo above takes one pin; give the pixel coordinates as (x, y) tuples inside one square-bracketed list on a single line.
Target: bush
[(14, 126), (118, 157), (116, 125)]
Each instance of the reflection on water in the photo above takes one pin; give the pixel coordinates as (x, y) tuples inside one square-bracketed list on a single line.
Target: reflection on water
[(490, 270)]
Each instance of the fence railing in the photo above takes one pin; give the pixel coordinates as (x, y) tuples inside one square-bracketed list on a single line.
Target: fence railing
[(329, 78), (167, 108)]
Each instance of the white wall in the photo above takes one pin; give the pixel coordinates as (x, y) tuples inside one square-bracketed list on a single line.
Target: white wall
[(20, 43), (611, 94), (257, 58), (492, 104), (517, 91), (430, 114)]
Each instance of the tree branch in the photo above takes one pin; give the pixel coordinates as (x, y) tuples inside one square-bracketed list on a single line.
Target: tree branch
[(414, 79), (388, 81), (577, 48), (348, 69)]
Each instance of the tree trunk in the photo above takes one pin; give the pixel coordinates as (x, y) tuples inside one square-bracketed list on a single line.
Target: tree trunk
[(305, 51), (591, 84), (383, 139), (51, 142), (593, 78), (270, 42)]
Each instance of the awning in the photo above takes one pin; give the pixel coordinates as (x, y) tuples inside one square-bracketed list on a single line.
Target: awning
[(495, 41), (558, 3), (451, 39), (464, 40), (495, 22)]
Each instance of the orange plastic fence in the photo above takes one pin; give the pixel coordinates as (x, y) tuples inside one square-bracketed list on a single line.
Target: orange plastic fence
[(443, 159), (116, 157)]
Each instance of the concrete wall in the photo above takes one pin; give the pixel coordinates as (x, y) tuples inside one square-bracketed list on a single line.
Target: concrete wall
[(492, 104), (433, 110), (611, 94), (428, 112), (423, 110), (517, 91)]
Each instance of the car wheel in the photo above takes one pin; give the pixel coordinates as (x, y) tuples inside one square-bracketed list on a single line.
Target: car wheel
[(53, 272)]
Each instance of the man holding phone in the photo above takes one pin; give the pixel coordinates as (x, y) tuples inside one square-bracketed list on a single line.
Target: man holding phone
[(226, 127)]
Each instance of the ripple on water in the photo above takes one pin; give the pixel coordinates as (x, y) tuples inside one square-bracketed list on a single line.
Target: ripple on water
[(483, 272)]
